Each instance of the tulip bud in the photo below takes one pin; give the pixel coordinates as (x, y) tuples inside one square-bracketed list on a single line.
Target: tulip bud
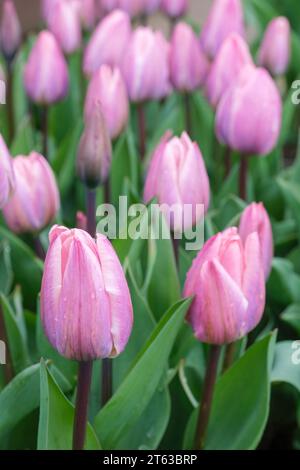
[(146, 65), (177, 175), (88, 13), (46, 77), (47, 8), (227, 282), (255, 219), (249, 114), (7, 177), (274, 53), (86, 308), (109, 5), (81, 220), (150, 6), (174, 8), (107, 86), (94, 152), (10, 31), (233, 55), (132, 7), (64, 23), (225, 17), (108, 42), (36, 199), (188, 64)]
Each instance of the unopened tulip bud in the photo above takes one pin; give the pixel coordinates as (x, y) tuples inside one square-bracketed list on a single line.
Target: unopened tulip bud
[(132, 7), (228, 286), (174, 8), (7, 176), (64, 23), (35, 201), (81, 220), (46, 77), (177, 176), (86, 308), (86, 11), (94, 152), (146, 65), (47, 8), (107, 86), (188, 64), (255, 219), (233, 55), (150, 6), (249, 114), (108, 42), (225, 17), (10, 30), (109, 5), (274, 53)]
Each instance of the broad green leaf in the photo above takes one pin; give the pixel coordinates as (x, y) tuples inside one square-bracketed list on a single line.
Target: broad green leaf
[(291, 193), (286, 365), (23, 142), (27, 267), (241, 402), (17, 344), (283, 283), (126, 406), (21, 396), (6, 272), (57, 416), (162, 286), (291, 316), (203, 126)]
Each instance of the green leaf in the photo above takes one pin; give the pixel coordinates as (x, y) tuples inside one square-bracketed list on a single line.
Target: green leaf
[(162, 267), (241, 402), (121, 413), (291, 316), (125, 165), (203, 126), (57, 416), (21, 396), (23, 142), (283, 284), (27, 267), (291, 193), (17, 343), (6, 272), (286, 365)]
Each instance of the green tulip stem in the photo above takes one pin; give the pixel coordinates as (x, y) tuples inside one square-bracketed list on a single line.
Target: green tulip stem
[(8, 368), (10, 104), (188, 113), (91, 212), (81, 406), (207, 397), (227, 161), (175, 242), (44, 128)]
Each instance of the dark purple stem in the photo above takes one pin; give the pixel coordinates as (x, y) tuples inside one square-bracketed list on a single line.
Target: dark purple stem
[(142, 129), (175, 242), (207, 397), (10, 104), (229, 356), (82, 401), (243, 177), (39, 249)]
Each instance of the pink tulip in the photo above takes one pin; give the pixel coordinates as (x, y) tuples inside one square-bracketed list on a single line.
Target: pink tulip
[(150, 6), (255, 219), (174, 8), (46, 78), (86, 308), (249, 114), (47, 8), (177, 175), (233, 55), (227, 282), (10, 30), (132, 7), (7, 176), (109, 5), (146, 65), (225, 17), (36, 199), (107, 86), (64, 23), (94, 152), (81, 220), (108, 42), (188, 64), (274, 53), (87, 12)]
